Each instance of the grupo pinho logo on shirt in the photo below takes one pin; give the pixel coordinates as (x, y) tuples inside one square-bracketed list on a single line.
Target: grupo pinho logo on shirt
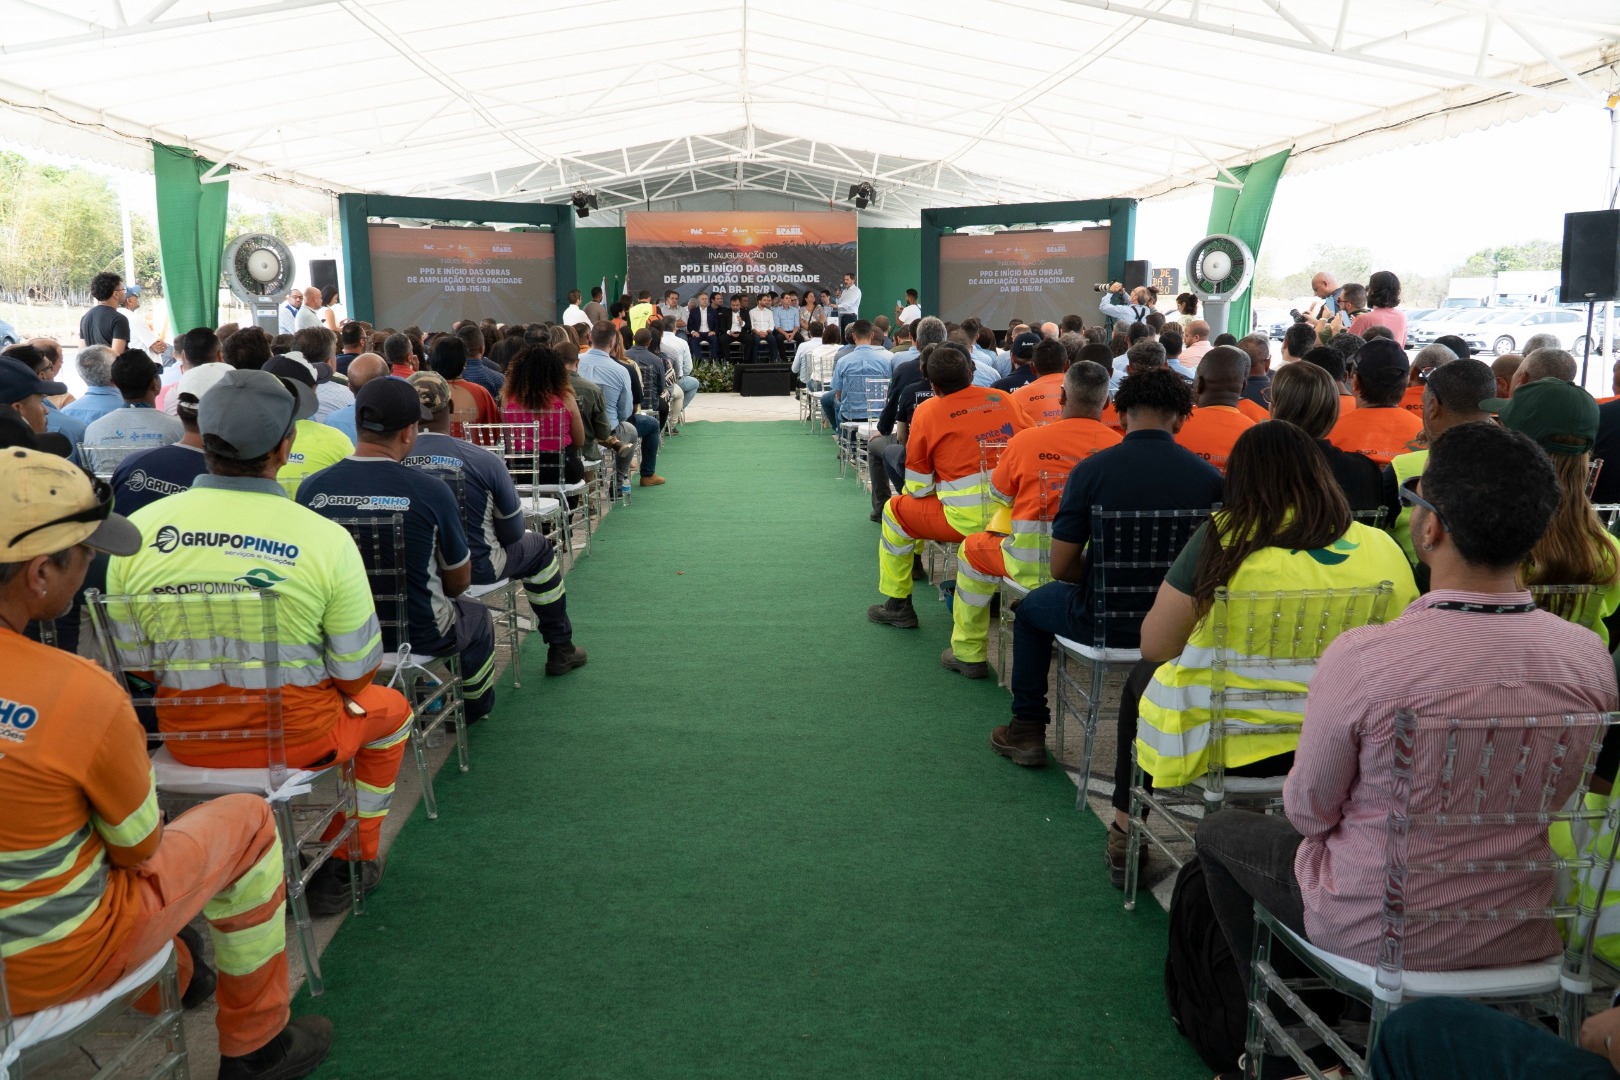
[(170, 539), (140, 481), (360, 502), (15, 719)]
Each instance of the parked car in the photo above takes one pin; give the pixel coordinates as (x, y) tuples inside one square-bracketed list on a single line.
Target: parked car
[(1414, 315), (1444, 321), (1511, 329), (8, 334)]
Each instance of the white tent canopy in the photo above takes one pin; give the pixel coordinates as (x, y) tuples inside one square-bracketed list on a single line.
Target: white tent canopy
[(955, 102)]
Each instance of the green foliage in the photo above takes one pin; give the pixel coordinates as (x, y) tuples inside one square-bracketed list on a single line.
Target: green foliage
[(715, 376), (59, 227), (292, 226), (1530, 255), (1346, 262)]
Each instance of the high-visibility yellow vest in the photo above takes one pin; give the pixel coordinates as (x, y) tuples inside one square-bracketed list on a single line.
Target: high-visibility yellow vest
[(1587, 838), (1174, 732), (1406, 466)]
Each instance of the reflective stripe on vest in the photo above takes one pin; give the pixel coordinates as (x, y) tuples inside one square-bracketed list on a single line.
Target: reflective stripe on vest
[(1027, 551), (49, 918)]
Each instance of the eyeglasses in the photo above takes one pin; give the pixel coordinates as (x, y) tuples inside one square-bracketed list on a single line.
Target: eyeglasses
[(1412, 498), (98, 512)]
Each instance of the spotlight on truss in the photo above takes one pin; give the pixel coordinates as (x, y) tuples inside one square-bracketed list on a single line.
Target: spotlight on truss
[(862, 194), (584, 202)]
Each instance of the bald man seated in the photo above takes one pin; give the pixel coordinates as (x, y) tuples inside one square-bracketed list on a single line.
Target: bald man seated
[(362, 369)]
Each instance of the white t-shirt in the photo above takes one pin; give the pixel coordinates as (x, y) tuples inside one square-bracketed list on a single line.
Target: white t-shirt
[(573, 315), (910, 314)]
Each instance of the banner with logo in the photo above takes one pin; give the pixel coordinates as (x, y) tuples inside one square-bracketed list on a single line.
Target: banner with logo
[(738, 251)]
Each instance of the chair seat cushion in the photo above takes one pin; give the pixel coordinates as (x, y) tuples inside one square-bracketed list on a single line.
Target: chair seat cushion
[(1104, 656), (38, 1028), (478, 592), (1012, 588), (1246, 785), (1515, 981), (181, 779)]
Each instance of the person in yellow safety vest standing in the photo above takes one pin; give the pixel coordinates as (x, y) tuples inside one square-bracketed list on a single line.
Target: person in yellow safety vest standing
[(1285, 527), (1020, 551), (946, 494), (95, 883), (1450, 397), (1042, 398)]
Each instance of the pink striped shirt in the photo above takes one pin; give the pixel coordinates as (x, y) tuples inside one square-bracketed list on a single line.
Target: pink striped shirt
[(1442, 663)]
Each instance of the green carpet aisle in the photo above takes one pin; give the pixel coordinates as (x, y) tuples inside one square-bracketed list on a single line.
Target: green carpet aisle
[(757, 836)]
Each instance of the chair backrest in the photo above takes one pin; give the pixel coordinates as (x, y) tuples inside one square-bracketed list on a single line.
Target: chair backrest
[(1609, 514), (1515, 779), (381, 540), (1573, 603), (514, 444), (1373, 519), (1593, 469), (1049, 493), (822, 361), (1129, 554), (169, 649), (103, 459), (991, 447)]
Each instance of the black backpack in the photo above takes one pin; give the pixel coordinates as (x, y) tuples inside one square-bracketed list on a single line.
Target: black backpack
[(1208, 1001)]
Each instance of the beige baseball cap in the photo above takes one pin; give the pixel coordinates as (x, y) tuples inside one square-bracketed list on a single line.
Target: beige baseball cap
[(48, 504)]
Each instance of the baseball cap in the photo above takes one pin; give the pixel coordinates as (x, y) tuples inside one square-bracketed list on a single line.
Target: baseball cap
[(1381, 354), (301, 375), (433, 391), (388, 404), (246, 414), (199, 380), (52, 504), (1023, 346), (18, 381), (132, 290), (1549, 407), (14, 431)]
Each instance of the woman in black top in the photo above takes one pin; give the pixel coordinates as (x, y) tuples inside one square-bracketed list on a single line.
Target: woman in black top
[(1304, 395)]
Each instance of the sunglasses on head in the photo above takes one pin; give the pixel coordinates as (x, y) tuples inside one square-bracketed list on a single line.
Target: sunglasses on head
[(98, 512), (1410, 496)]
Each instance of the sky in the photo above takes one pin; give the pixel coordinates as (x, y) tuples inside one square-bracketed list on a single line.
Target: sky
[(1419, 209)]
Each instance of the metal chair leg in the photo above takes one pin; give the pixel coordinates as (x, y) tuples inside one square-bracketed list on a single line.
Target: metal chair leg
[(297, 902)]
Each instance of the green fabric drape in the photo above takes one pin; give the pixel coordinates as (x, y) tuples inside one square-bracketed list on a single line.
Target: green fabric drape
[(1243, 214), (600, 255), (890, 263), (191, 235)]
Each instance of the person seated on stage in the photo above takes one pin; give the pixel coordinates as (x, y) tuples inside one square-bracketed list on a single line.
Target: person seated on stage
[(492, 514), (1216, 422), (1485, 498), (846, 398), (703, 328), (1145, 471), (1042, 397), (1377, 427), (330, 640), (442, 619), (762, 344), (97, 882), (1018, 551), (946, 491)]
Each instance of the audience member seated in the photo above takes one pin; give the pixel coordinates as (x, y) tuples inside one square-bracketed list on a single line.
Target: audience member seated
[(470, 402), (538, 392), (316, 445), (100, 396), (1019, 550), (592, 408), (1284, 526), (97, 882), (1304, 395), (246, 350), (1424, 364), (1041, 395), (443, 620), (1215, 424), (362, 369), (946, 492), (138, 425), (315, 344), (846, 398), (193, 542), (1544, 363), (24, 393), (613, 379), (1576, 549), (1452, 395), (145, 477), (1485, 498), (1377, 427), (1433, 1037), (653, 373), (492, 513), (1146, 471), (479, 371), (43, 357), (886, 451), (351, 345), (1258, 381), (645, 422)]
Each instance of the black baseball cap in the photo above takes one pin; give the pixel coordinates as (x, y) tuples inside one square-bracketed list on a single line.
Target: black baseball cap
[(18, 381), (1381, 354), (388, 404), (1023, 346), (14, 431)]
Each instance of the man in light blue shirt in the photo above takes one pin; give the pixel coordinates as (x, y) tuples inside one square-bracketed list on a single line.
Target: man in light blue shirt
[(903, 342), (629, 426), (362, 369), (847, 399), (137, 426), (100, 396), (1112, 304), (787, 322)]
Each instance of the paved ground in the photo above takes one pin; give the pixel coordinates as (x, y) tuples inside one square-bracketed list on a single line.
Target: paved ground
[(731, 407)]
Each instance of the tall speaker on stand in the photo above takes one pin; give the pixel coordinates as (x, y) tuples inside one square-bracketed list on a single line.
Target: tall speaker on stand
[(1590, 271)]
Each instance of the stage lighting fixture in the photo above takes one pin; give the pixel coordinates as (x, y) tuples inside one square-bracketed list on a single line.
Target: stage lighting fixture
[(584, 203), (862, 194)]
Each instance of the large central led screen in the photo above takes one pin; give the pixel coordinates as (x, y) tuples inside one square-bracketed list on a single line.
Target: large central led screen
[(738, 251), (433, 277), (1034, 276)]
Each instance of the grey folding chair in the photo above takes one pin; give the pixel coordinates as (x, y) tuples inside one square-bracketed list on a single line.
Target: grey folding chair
[(1514, 779)]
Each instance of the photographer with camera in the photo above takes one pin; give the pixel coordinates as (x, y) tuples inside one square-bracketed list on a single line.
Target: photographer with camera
[(1114, 306), (1352, 303)]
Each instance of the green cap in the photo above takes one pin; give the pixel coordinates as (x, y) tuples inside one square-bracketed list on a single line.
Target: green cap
[(1546, 408)]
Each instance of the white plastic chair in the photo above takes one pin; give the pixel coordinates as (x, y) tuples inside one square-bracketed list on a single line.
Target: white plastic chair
[(1514, 777)]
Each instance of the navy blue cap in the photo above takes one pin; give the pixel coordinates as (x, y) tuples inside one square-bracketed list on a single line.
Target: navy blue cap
[(18, 381), (388, 404)]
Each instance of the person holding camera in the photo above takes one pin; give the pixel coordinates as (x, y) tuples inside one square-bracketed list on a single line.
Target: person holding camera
[(1114, 306), (1352, 304)]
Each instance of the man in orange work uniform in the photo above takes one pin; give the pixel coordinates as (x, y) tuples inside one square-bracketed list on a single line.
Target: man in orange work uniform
[(92, 884), (1042, 399), (1021, 551), (946, 494), (1378, 427), (1215, 424)]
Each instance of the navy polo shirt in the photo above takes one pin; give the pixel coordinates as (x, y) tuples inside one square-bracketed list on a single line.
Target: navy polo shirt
[(490, 510), (1147, 470), (146, 477)]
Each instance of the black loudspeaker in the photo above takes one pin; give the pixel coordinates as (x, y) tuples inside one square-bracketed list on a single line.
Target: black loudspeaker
[(1137, 272), (1591, 268), (763, 380), (323, 272)]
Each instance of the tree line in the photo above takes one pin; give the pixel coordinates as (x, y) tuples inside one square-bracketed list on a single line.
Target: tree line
[(1349, 262)]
